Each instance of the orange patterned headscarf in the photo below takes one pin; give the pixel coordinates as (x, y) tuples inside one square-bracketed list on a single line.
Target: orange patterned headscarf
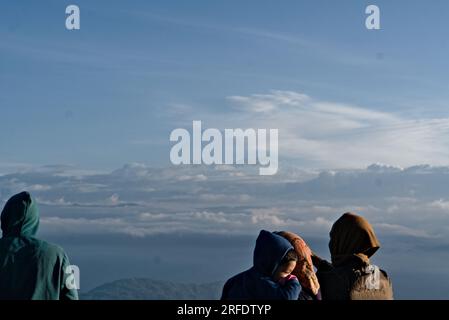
[(304, 267)]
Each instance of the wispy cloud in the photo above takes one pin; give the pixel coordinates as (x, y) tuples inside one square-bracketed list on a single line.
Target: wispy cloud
[(335, 135)]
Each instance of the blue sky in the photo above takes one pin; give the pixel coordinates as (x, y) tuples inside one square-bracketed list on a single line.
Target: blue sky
[(112, 92)]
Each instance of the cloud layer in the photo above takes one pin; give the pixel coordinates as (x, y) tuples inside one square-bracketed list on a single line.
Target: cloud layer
[(140, 201)]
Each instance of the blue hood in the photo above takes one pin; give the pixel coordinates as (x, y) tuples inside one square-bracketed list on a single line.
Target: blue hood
[(269, 251), (257, 283)]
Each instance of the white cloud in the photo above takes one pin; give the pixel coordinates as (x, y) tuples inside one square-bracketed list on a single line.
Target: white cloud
[(212, 197), (270, 102), (269, 217), (337, 135), (38, 187), (440, 204), (208, 197), (198, 177), (401, 230)]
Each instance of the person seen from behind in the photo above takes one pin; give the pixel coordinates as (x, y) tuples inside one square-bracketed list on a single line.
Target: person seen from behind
[(351, 275), (31, 269)]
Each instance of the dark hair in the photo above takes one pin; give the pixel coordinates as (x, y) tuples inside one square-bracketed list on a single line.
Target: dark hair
[(289, 256)]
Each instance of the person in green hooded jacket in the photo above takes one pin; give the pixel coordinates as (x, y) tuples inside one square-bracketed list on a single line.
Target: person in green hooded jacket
[(31, 268)]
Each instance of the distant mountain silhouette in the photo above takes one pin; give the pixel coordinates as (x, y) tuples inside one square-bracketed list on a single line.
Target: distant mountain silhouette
[(148, 289)]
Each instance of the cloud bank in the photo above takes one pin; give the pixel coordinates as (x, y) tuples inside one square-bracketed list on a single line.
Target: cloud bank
[(138, 200)]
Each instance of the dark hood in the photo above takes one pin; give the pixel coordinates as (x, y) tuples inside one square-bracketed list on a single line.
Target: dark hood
[(20, 216), (269, 251), (352, 239)]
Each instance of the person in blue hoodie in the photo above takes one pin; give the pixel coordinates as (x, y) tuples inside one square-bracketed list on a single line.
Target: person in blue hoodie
[(270, 276)]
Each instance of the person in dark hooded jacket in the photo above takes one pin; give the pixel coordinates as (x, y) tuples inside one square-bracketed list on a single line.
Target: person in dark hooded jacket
[(30, 269), (351, 276), (261, 282)]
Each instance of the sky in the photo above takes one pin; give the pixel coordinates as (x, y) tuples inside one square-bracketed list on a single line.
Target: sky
[(111, 92), (86, 117)]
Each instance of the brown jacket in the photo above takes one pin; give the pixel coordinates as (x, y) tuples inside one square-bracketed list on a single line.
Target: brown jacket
[(354, 281)]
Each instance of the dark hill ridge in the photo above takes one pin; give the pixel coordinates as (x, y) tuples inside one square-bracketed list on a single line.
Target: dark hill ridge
[(148, 289)]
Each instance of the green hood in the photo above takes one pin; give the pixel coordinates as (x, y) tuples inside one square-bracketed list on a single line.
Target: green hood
[(30, 268), (20, 216)]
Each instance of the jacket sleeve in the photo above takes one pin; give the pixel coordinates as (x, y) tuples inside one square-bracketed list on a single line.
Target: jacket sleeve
[(69, 285), (289, 291), (224, 294)]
